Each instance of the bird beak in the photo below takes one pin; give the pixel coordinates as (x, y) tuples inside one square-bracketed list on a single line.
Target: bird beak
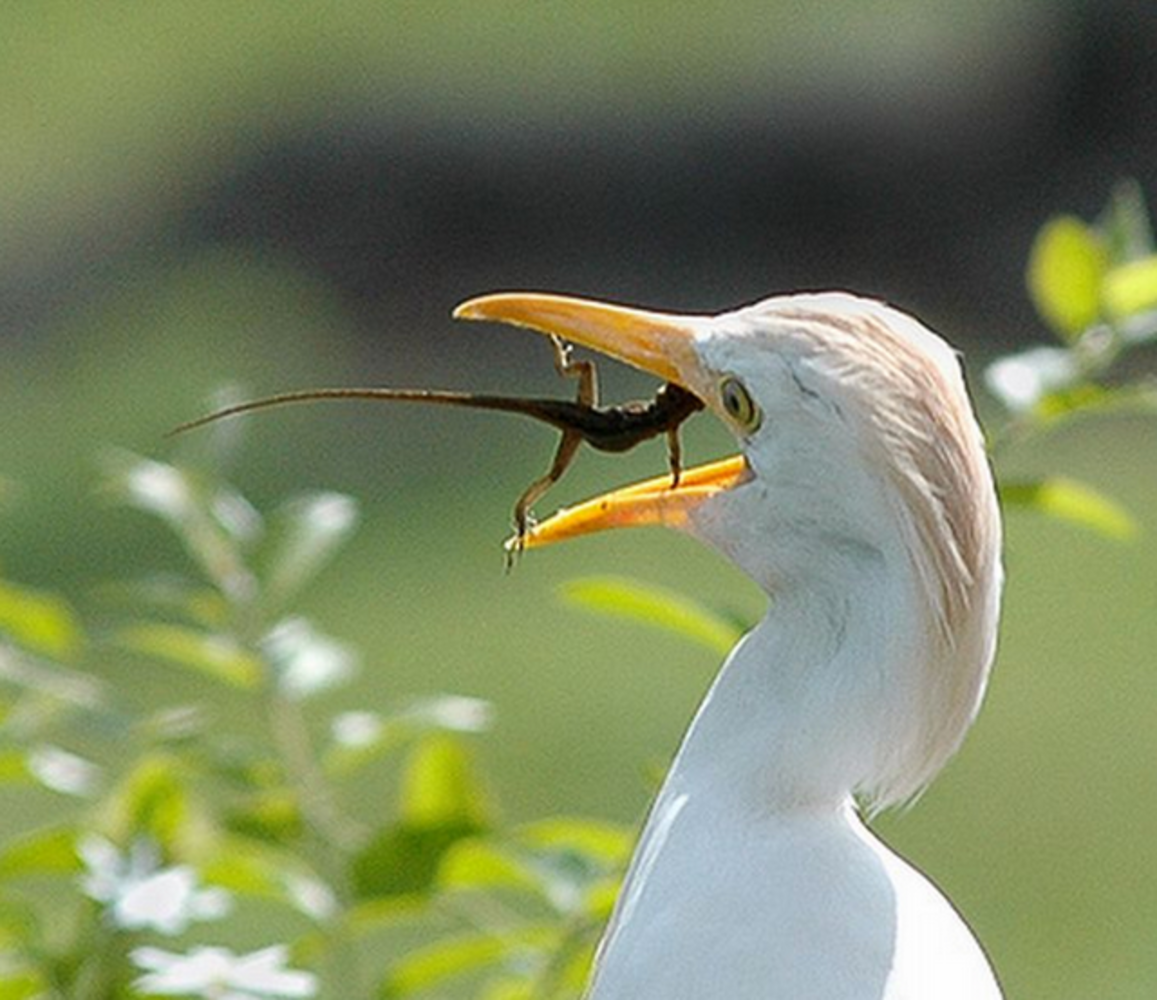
[(659, 343)]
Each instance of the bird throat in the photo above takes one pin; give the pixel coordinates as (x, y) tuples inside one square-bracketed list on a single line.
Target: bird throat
[(808, 709)]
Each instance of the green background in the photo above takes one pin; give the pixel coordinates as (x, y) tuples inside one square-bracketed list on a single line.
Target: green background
[(119, 119)]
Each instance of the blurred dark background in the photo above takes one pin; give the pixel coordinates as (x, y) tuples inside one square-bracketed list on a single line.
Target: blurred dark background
[(691, 156), (278, 195)]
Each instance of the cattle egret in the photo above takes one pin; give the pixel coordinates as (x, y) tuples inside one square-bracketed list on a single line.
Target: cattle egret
[(863, 504)]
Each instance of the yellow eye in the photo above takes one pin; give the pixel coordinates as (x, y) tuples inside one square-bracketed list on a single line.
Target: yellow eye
[(739, 405)]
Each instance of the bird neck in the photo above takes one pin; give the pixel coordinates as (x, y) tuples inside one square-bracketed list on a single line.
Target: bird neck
[(806, 707)]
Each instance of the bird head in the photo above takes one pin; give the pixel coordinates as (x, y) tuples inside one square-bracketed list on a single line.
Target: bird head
[(861, 472)]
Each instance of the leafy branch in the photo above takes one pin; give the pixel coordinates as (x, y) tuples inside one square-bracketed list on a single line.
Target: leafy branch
[(1095, 287)]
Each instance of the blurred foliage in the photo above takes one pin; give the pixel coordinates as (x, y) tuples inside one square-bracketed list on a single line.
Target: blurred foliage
[(1095, 285), (178, 812), (655, 606), (174, 805)]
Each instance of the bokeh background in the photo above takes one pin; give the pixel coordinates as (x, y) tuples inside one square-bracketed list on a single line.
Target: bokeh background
[(274, 195)]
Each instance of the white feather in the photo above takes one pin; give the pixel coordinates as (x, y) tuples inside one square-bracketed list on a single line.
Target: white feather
[(871, 521)]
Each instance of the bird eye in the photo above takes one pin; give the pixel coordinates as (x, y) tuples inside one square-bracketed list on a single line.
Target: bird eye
[(739, 405)]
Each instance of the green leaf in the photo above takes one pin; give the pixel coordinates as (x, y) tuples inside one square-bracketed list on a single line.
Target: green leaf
[(573, 962), (212, 654), (440, 788), (50, 851), (150, 799), (403, 860), (1131, 288), (1069, 500), (272, 816), (509, 989), (1126, 225), (21, 983), (652, 605), (304, 534), (14, 767), (570, 864), (1083, 399), (573, 858), (1065, 268), (251, 868), (441, 801), (41, 622), (607, 843), (244, 873), (246, 869), (601, 897), (372, 915), (169, 596), (456, 956), (1087, 400), (20, 923), (481, 865)]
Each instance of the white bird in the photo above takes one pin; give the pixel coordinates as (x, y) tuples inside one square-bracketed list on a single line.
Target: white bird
[(863, 504)]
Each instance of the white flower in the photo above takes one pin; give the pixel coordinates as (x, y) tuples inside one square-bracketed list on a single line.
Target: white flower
[(332, 513), (218, 974), (159, 488), (63, 771), (357, 729), (140, 895), (237, 515), (313, 898), (306, 661), (457, 712), (1020, 380)]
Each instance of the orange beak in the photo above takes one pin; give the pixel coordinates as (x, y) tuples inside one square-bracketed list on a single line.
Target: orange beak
[(658, 343)]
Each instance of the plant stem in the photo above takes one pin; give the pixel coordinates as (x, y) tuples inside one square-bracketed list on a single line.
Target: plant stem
[(575, 932), (326, 822), (333, 836)]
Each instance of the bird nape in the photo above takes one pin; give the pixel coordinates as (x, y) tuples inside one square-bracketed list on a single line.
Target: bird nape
[(863, 503)]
